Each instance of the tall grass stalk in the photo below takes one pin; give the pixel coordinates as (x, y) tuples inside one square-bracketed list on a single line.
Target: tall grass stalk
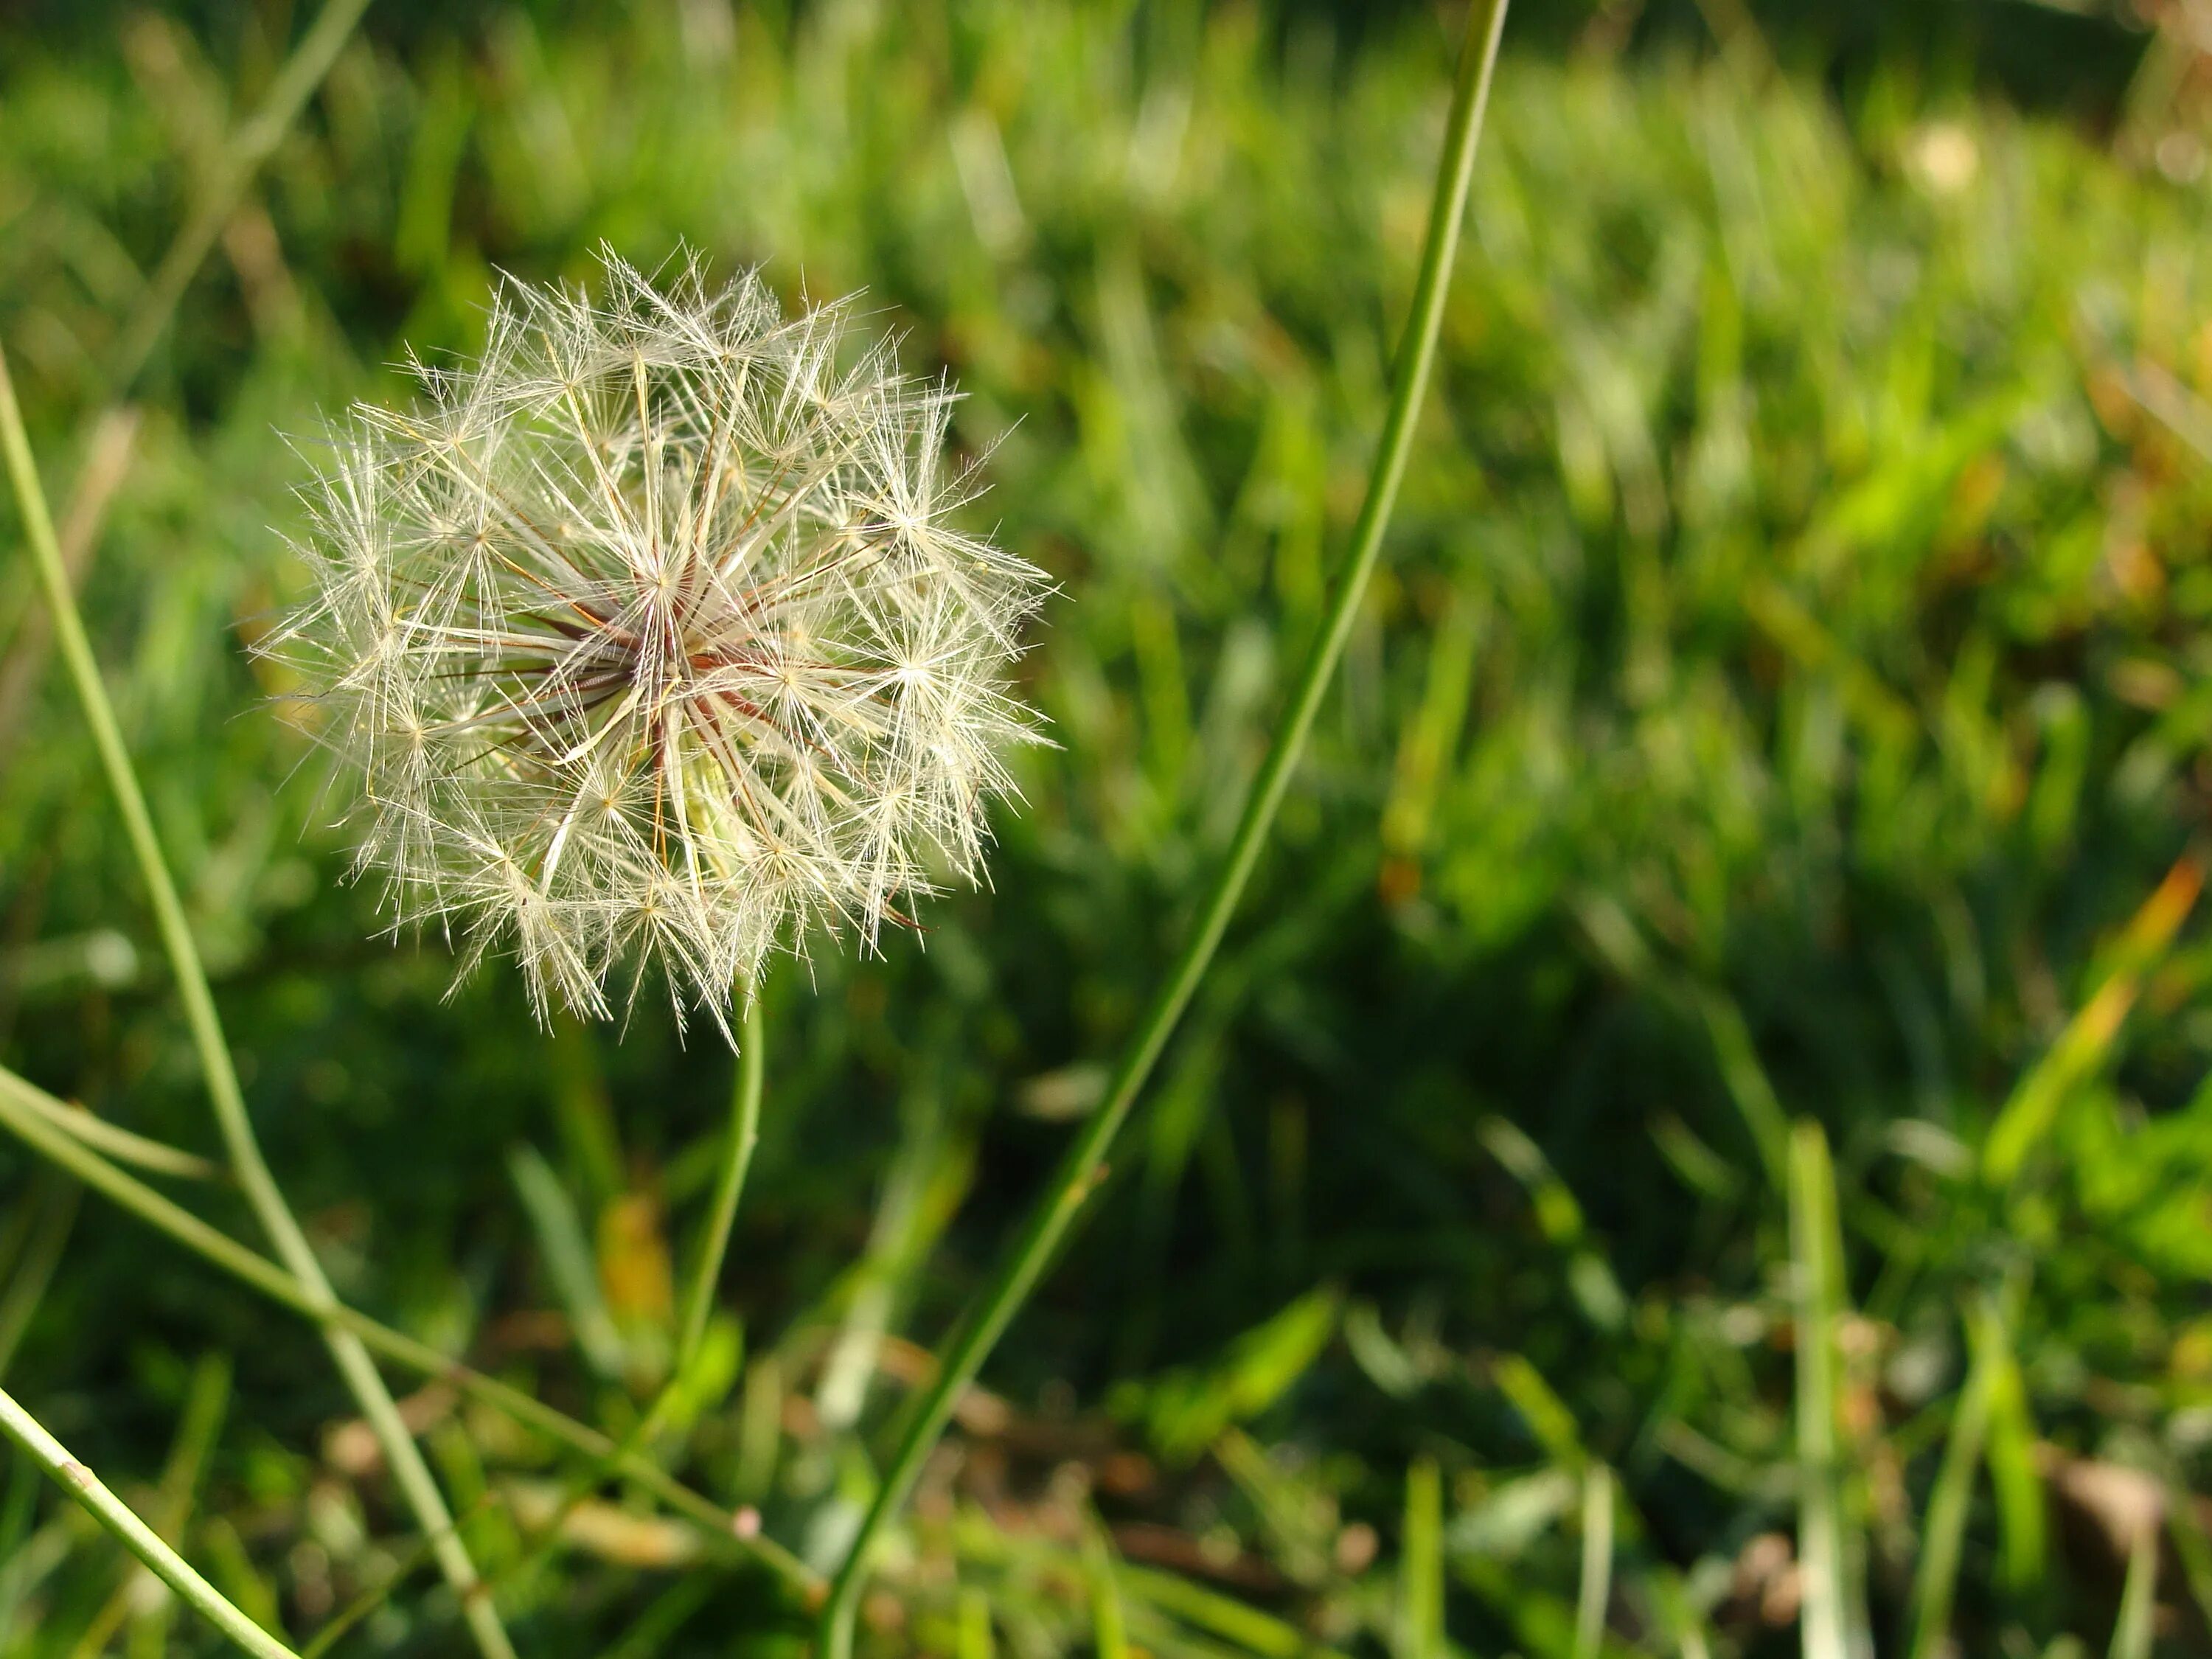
[(140, 1540), (1080, 1169), (354, 1363)]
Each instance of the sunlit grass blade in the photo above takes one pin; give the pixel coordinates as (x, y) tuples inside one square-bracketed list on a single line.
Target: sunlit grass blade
[(1593, 1592), (2133, 1627), (1934, 1580), (1109, 1625), (134, 1535), (1230, 1620), (2013, 1474), (1421, 1566), (1831, 1621), (2083, 1046), (1081, 1167), (972, 1637)]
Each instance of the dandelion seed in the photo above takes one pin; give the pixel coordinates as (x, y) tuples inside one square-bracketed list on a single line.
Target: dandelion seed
[(653, 643)]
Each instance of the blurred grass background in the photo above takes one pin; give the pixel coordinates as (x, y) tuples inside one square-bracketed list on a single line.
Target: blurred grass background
[(1786, 703)]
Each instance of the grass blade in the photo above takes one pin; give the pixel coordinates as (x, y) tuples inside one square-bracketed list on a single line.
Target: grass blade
[(1936, 1577), (566, 1252), (1830, 1621), (2131, 1629), (1595, 1592), (973, 1639), (2013, 1471), (123, 1146), (1109, 1625), (2088, 1037), (205, 1407), (1421, 1566), (33, 1271)]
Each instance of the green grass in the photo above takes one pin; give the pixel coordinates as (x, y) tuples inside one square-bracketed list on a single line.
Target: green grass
[(1784, 702)]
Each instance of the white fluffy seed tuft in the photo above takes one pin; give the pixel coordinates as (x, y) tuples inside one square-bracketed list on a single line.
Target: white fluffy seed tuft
[(654, 643)]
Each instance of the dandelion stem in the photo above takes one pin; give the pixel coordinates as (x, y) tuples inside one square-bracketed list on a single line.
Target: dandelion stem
[(354, 1365), (33, 1124), (729, 1185), (104, 1507), (1079, 1170)]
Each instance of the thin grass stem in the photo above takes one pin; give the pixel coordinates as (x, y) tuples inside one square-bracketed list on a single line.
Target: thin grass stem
[(156, 1156), (104, 1507), (1080, 1169), (355, 1366)]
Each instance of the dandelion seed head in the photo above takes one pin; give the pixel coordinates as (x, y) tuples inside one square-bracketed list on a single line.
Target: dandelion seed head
[(654, 643)]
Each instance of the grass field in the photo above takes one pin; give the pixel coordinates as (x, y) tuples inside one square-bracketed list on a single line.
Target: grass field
[(1696, 1142)]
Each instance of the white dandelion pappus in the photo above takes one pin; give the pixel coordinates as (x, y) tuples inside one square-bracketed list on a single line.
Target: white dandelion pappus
[(653, 641)]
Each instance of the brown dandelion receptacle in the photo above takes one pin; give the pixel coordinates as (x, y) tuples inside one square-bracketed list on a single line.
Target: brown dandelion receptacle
[(652, 642)]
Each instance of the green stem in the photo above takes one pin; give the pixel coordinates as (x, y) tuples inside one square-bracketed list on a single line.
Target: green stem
[(729, 1184), (104, 1507), (36, 1130), (121, 1144), (353, 1362), (1079, 1170)]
